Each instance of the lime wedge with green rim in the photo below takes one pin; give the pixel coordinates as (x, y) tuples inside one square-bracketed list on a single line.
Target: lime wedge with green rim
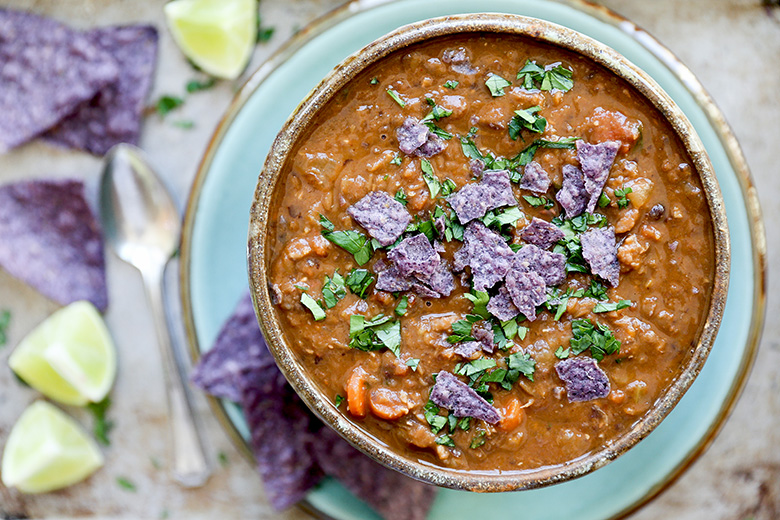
[(69, 357), (47, 450), (217, 35)]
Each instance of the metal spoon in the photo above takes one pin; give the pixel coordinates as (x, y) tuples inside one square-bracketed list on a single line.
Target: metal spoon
[(142, 224)]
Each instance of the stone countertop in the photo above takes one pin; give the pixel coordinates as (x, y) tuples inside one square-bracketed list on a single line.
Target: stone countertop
[(733, 46)]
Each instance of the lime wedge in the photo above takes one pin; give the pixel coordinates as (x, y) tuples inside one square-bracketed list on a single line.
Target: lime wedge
[(69, 357), (217, 35), (47, 450)]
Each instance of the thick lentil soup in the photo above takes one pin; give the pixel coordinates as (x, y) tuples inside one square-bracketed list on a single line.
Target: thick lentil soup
[(492, 254)]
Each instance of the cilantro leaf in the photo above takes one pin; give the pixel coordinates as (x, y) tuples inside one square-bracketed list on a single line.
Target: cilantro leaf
[(598, 338), (612, 306), (338, 400), (431, 413), (102, 426), (397, 162), (620, 193), (358, 281), (400, 196), (530, 75), (375, 334), (527, 119), (196, 85), (522, 362), (352, 241), (400, 309), (496, 84), (445, 440), (480, 300), (478, 440), (507, 217), (537, 202), (413, 363), (562, 353), (451, 84), (333, 290), (437, 112), (434, 186), (439, 132), (461, 329), (314, 306), (167, 103), (374, 81), (5, 321), (557, 78)]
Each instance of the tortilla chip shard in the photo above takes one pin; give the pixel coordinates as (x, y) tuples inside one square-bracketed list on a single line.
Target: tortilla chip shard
[(583, 378), (451, 393), (382, 216), (51, 240)]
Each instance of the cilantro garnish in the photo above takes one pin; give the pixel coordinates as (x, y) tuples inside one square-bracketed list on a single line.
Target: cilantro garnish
[(596, 290), (603, 200), (522, 362), (562, 353), (451, 84), (400, 196), (620, 193), (374, 334), (478, 440), (496, 84), (530, 75), (167, 103), (437, 112), (434, 186), (102, 426), (374, 80), (393, 94), (570, 245), (396, 160), (413, 363), (333, 290), (439, 132), (527, 119), (5, 320), (126, 484), (400, 309), (314, 306), (359, 280), (507, 217), (598, 338), (527, 155), (338, 400), (196, 85), (556, 78), (537, 202), (612, 306), (352, 241), (445, 440), (480, 300), (461, 329), (431, 413), (448, 187), (263, 33)]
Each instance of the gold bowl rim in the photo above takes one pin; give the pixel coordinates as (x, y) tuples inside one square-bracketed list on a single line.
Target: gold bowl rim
[(294, 128)]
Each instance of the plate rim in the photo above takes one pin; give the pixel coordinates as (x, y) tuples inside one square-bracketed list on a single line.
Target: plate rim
[(601, 13)]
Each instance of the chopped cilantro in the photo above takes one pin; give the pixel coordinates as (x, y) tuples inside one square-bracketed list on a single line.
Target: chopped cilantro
[(474, 369), (507, 217), (126, 484), (338, 400), (562, 353), (451, 84), (436, 113), (393, 94), (102, 426), (461, 329), (223, 459), (620, 193), (374, 80), (301, 287), (359, 280), (400, 196), (434, 186), (557, 78), (439, 132), (397, 161), (400, 309), (603, 200), (374, 334), (431, 413), (612, 306), (496, 84), (333, 290), (570, 245), (448, 187), (352, 241), (478, 440), (413, 363), (596, 290), (314, 306), (196, 85), (263, 33), (526, 119), (523, 362), (527, 155), (530, 75), (598, 338), (167, 103), (5, 320), (445, 440), (538, 201), (480, 300)]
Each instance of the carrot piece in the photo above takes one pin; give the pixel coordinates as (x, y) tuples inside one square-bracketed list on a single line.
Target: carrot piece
[(388, 404), (356, 392), (513, 415)]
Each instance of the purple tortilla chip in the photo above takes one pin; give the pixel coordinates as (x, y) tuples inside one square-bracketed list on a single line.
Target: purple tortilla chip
[(282, 439), (382, 216), (415, 138), (486, 253), (467, 349), (51, 241), (114, 115), (451, 393), (459, 61), (600, 251), (541, 233), (476, 167), (501, 305), (239, 347), (442, 281), (584, 379), (527, 290), (550, 266), (46, 71), (391, 494), (474, 200), (572, 196), (483, 333), (441, 226), (498, 189), (535, 178), (596, 161), (415, 256), (390, 280)]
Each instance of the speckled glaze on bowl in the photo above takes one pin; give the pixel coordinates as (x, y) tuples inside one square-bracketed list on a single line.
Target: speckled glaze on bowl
[(294, 128)]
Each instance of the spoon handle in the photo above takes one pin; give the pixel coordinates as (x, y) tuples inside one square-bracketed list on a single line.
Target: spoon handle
[(190, 465)]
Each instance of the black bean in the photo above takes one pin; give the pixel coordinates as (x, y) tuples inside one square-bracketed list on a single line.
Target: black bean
[(656, 212)]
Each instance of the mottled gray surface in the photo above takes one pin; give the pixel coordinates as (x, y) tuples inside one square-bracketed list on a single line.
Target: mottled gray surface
[(736, 479)]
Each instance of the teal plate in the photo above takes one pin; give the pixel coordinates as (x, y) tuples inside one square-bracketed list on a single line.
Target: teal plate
[(214, 273)]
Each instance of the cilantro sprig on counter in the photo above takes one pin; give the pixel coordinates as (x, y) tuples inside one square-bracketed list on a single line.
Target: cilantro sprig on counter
[(352, 241)]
